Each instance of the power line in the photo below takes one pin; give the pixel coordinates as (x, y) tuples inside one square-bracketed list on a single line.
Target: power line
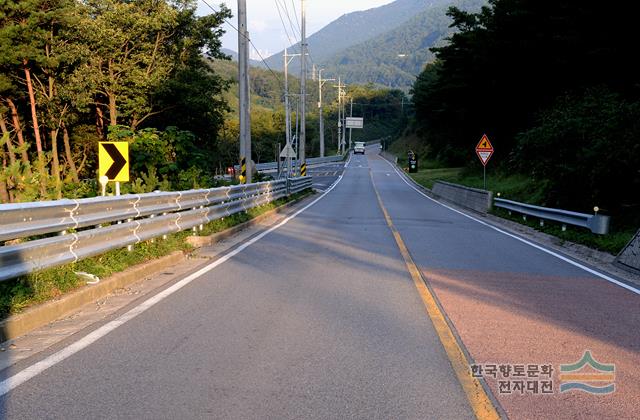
[(251, 43), (293, 27), (284, 25), (295, 15)]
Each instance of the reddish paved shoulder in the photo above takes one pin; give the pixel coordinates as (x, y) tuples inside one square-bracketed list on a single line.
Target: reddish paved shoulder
[(509, 318)]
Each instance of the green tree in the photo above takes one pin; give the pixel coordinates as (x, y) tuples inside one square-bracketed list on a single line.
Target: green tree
[(125, 42)]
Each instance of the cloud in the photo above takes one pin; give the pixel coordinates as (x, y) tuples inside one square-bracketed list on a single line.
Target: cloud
[(258, 25)]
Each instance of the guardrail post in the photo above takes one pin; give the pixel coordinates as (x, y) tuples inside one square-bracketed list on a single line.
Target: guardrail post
[(153, 239), (130, 247), (599, 224)]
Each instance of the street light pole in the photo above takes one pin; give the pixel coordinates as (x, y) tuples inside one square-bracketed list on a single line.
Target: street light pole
[(321, 83), (350, 129), (303, 85)]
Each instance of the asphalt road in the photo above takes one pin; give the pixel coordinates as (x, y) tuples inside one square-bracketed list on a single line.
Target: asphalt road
[(321, 319), (325, 175)]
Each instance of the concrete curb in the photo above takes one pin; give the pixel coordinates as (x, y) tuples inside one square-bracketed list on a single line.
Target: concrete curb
[(202, 241), (45, 313)]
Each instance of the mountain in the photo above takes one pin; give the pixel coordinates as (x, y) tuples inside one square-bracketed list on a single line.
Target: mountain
[(234, 57), (395, 58), (354, 28)]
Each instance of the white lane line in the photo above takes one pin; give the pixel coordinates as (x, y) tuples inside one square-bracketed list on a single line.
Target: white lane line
[(548, 251), (28, 373)]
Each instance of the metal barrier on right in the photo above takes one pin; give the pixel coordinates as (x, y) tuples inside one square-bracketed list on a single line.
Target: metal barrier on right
[(595, 222)]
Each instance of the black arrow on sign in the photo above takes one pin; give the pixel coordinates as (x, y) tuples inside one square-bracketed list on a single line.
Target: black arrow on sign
[(118, 160)]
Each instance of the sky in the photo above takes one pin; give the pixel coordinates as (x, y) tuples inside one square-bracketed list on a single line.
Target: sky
[(264, 23)]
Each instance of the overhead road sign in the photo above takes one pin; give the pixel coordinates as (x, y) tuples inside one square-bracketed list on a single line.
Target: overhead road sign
[(354, 122), (113, 160), (484, 150)]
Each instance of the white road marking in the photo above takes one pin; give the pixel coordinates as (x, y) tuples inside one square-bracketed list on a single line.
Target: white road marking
[(28, 373), (541, 248)]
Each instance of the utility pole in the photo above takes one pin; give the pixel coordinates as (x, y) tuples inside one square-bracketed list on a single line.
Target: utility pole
[(287, 61), (321, 83), (341, 113), (303, 89), (343, 144), (246, 167), (351, 129)]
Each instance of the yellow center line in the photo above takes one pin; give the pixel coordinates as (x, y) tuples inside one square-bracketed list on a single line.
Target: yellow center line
[(478, 399)]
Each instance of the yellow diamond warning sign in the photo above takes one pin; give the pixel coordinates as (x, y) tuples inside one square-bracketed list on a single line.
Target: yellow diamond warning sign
[(484, 150)]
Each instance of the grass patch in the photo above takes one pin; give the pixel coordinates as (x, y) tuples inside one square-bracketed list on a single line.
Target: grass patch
[(427, 177), (512, 186), (18, 294)]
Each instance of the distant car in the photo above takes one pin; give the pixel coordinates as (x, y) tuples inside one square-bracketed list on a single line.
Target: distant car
[(358, 148)]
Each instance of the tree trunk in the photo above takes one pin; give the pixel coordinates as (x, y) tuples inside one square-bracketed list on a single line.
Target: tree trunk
[(4, 193), (113, 110), (34, 114), (56, 163), (99, 121), (36, 131), (5, 131), (67, 151), (16, 126)]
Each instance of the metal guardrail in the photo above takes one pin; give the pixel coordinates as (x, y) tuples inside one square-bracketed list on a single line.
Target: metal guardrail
[(297, 185), (133, 218), (596, 223), (272, 166)]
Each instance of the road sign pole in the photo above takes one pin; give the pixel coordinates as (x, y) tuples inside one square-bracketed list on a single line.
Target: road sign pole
[(484, 150), (117, 188)]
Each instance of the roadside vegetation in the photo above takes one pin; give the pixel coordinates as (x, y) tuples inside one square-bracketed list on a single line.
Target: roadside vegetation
[(557, 92), (521, 188), (149, 72), (18, 294), (75, 73)]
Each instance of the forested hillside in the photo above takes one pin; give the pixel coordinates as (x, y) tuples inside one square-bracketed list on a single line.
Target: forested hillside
[(555, 85), (395, 58), (354, 28), (382, 110)]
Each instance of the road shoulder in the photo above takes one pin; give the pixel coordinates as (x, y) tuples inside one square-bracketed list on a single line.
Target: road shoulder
[(602, 261), (51, 324)]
